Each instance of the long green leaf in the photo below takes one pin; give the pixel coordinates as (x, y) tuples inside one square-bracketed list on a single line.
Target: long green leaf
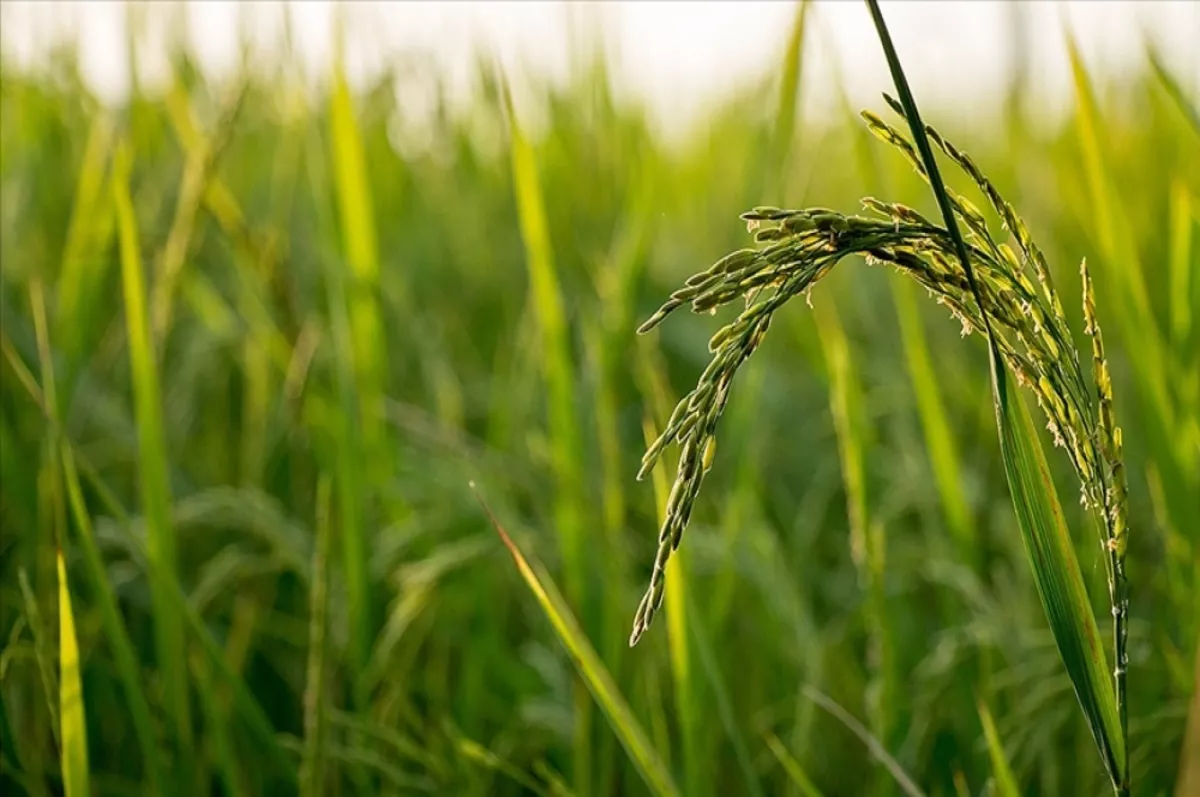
[(559, 379), (792, 767), (359, 306), (76, 782), (1006, 782), (110, 617), (1173, 89), (591, 669), (312, 763), (1058, 577), (1039, 515), (153, 464)]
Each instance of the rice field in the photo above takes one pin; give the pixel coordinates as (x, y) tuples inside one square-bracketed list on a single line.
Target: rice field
[(320, 440)]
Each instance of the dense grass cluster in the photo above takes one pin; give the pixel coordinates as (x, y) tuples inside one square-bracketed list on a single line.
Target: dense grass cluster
[(258, 340)]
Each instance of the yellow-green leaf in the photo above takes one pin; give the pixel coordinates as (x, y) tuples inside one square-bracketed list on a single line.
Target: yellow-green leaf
[(1057, 575), (74, 726), (644, 757)]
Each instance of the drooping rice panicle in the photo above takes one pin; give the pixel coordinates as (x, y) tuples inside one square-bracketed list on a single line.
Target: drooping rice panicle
[(798, 247)]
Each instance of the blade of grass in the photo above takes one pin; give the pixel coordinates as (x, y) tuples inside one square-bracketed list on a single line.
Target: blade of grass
[(41, 652), (1039, 515), (1059, 581), (110, 617), (792, 767), (76, 781), (200, 163), (1179, 264), (708, 663), (558, 373), (89, 234), (555, 339), (243, 699), (114, 628), (654, 773), (312, 763), (1006, 782), (153, 465), (481, 756), (245, 702), (877, 750), (786, 116), (1188, 780), (1138, 323), (1171, 86), (359, 242), (214, 719)]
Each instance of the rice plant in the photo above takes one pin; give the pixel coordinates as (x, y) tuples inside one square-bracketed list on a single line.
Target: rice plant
[(256, 340), (1003, 290)]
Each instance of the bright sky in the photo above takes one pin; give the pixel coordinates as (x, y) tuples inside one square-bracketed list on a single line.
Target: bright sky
[(678, 55)]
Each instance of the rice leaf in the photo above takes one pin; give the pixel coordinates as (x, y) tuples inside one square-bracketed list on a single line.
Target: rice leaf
[(110, 618), (312, 762), (877, 750), (76, 781), (1171, 86), (153, 463), (89, 235), (41, 651), (1058, 578), (1180, 265), (361, 310), (1002, 774), (558, 376), (589, 666), (792, 767)]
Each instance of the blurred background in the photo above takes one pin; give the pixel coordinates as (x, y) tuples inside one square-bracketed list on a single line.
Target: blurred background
[(280, 280)]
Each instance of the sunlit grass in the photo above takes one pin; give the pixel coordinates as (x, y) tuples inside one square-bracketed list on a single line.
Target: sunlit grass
[(256, 342)]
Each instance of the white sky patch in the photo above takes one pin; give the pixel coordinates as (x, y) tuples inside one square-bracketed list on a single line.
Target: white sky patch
[(679, 56)]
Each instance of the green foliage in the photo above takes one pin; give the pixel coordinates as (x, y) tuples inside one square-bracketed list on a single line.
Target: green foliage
[(289, 327)]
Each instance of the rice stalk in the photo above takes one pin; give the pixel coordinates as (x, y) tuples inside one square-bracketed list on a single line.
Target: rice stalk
[(153, 461), (987, 286), (76, 781), (590, 668)]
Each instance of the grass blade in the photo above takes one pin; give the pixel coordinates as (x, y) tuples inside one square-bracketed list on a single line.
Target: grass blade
[(76, 782), (1180, 264), (1188, 780), (41, 652), (110, 617), (312, 763), (558, 374), (114, 628), (1171, 86), (365, 333), (153, 464), (792, 767), (877, 750), (1058, 578), (1006, 782), (88, 237), (591, 669)]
